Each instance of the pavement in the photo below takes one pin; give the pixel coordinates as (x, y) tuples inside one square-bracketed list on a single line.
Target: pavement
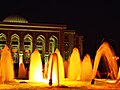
[(66, 85)]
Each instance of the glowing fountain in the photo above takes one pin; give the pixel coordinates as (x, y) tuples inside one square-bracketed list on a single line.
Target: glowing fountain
[(6, 66), (74, 67), (35, 70), (53, 71), (66, 64), (77, 71), (86, 68), (118, 76), (60, 64), (22, 71), (56, 69), (107, 51)]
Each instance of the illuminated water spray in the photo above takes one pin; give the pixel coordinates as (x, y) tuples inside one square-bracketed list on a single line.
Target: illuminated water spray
[(53, 71), (35, 70), (6, 66), (107, 51), (22, 72), (61, 64), (66, 64), (74, 67), (86, 68), (118, 76), (78, 69), (56, 69)]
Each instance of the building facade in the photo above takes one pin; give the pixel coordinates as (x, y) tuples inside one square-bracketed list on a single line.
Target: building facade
[(23, 38)]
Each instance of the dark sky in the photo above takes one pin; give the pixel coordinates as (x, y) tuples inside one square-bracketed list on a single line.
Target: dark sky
[(97, 20)]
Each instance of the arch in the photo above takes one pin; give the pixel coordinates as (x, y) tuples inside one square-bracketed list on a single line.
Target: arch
[(53, 43), (15, 41), (3, 40), (27, 47), (40, 45), (107, 51), (15, 44), (28, 42)]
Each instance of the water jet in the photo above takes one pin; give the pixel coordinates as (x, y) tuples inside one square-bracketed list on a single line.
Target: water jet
[(35, 70), (6, 65), (77, 69)]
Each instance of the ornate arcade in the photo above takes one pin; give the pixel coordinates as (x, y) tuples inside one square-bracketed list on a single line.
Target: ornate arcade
[(23, 38)]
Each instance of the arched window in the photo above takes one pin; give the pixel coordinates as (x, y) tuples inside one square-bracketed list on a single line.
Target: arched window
[(3, 40), (27, 47), (40, 45), (15, 43), (53, 43)]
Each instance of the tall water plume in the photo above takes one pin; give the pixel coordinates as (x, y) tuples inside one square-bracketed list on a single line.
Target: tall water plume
[(61, 64), (74, 67), (56, 68), (6, 65), (86, 68), (35, 70), (22, 72)]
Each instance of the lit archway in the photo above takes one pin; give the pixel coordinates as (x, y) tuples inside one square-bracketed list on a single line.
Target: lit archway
[(27, 47), (53, 43), (40, 45), (3, 40), (15, 44)]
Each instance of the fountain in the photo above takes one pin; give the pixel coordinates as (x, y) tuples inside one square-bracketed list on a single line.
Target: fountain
[(22, 72), (118, 76), (107, 51), (74, 67), (6, 66), (86, 68), (53, 69), (72, 72), (66, 64), (79, 69), (56, 68), (60, 64), (35, 70)]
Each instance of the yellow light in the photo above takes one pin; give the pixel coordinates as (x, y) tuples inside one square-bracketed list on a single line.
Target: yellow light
[(35, 72)]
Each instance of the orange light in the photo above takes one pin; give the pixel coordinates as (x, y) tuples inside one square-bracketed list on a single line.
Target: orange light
[(14, 50)]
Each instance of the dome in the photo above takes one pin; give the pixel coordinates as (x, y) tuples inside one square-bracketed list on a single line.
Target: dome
[(15, 19)]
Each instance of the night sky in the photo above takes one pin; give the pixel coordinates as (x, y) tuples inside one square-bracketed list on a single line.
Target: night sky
[(97, 20)]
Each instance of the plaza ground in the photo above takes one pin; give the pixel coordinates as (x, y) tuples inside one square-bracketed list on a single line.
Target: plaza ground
[(66, 85)]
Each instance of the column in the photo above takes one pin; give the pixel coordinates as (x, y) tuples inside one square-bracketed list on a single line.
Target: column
[(47, 42)]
